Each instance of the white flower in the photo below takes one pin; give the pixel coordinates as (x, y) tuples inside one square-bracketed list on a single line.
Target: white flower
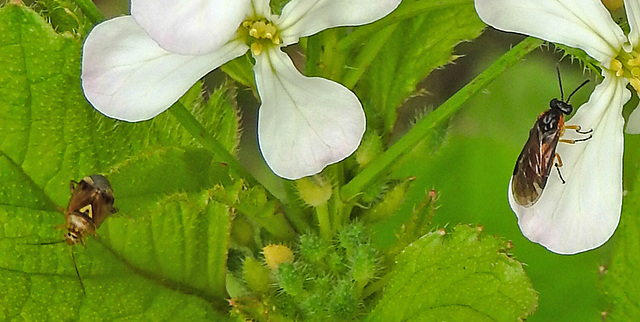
[(135, 67), (583, 213)]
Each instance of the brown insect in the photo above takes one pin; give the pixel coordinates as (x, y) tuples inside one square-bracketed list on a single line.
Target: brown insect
[(91, 202), (539, 153)]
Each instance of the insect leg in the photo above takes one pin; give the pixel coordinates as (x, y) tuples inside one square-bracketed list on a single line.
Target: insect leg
[(578, 129), (72, 185), (570, 141), (558, 165)]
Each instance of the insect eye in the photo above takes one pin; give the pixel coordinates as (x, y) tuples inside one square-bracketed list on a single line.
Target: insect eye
[(107, 198)]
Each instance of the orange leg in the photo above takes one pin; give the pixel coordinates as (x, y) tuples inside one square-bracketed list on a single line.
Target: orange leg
[(576, 140), (577, 128)]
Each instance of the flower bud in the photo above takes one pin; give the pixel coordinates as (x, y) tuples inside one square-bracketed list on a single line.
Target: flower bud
[(363, 264), (369, 149), (342, 303), (390, 203), (256, 275), (242, 231), (275, 255), (313, 249), (314, 190), (290, 281)]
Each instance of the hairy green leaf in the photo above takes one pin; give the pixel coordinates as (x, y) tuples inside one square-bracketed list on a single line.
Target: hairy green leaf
[(456, 277), (421, 36), (164, 254)]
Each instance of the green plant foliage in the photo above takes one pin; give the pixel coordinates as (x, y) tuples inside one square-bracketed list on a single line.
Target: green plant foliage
[(426, 41), (164, 254), (620, 281), (457, 276), (188, 240), (327, 279)]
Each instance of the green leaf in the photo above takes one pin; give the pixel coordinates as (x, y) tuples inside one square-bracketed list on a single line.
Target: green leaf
[(241, 70), (422, 40), (63, 15), (456, 277), (620, 282), (163, 255)]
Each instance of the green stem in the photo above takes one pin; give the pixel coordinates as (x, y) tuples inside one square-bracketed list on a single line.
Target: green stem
[(90, 10), (323, 221), (425, 126), (209, 142)]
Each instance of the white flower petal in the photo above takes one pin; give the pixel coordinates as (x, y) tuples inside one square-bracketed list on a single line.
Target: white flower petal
[(583, 213), (260, 9), (584, 24), (190, 27), (633, 125), (304, 123), (632, 7), (301, 18), (127, 76)]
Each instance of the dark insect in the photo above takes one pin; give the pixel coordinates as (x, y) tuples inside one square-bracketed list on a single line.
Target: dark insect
[(539, 153), (91, 202)]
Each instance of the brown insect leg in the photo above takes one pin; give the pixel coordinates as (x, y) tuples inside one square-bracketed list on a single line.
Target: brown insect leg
[(558, 165), (578, 129), (72, 185)]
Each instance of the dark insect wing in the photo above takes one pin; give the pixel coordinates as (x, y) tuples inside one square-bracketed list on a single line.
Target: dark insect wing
[(536, 159), (93, 198), (82, 194), (103, 203)]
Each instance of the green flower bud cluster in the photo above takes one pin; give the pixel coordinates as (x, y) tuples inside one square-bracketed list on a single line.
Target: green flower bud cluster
[(326, 279)]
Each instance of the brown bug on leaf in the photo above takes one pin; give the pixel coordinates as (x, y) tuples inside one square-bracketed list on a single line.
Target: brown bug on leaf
[(91, 202), (539, 153)]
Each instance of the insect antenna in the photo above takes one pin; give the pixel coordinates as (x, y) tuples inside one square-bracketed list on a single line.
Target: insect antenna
[(48, 243), (574, 91), (560, 83), (73, 257)]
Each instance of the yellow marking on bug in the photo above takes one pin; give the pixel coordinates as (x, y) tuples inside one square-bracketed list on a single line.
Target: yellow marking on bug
[(87, 210)]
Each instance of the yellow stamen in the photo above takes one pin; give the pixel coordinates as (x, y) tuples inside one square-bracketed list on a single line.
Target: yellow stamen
[(259, 32), (256, 48), (635, 71), (634, 61), (635, 82), (270, 31), (616, 66)]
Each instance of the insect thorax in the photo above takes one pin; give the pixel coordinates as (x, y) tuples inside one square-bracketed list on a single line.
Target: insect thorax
[(549, 122)]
